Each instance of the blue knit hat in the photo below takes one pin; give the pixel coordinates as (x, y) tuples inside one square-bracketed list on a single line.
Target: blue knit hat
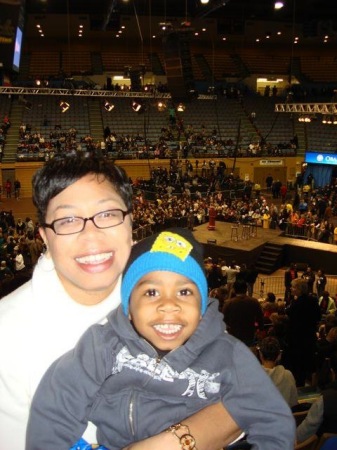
[(174, 250)]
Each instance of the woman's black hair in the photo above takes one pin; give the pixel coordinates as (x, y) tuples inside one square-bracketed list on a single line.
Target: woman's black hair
[(58, 174)]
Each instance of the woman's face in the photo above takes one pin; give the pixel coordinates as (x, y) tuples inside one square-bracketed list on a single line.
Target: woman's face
[(88, 263)]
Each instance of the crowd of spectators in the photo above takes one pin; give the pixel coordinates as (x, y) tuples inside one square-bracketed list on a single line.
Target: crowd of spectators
[(175, 139), (184, 194), (310, 214), (20, 248), (294, 337), (43, 146)]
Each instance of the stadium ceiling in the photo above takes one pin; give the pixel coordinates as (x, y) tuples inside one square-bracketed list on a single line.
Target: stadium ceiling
[(300, 10)]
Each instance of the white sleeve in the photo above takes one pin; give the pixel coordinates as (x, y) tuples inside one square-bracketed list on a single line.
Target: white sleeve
[(312, 422)]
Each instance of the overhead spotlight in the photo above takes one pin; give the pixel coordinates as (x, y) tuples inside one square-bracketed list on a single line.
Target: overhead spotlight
[(161, 106), (136, 106), (64, 106), (306, 119), (278, 5), (204, 2), (108, 106), (324, 120), (181, 107), (38, 82)]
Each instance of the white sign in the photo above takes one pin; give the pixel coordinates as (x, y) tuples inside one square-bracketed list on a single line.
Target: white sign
[(271, 162)]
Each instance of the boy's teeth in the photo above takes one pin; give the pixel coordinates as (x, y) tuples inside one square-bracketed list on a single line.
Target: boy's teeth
[(168, 328), (94, 259)]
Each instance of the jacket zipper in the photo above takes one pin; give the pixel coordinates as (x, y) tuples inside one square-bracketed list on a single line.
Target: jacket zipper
[(131, 415), (132, 402)]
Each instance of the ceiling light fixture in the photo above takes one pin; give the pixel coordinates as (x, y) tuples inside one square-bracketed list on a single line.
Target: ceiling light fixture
[(136, 106), (108, 106), (64, 106), (161, 106)]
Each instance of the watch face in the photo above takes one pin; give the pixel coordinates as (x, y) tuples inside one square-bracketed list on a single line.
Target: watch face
[(187, 442)]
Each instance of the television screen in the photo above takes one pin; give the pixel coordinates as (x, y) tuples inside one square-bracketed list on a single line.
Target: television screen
[(321, 158), (17, 49)]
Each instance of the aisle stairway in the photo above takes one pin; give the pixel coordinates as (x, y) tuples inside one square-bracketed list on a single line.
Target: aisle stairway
[(270, 259), (12, 138), (95, 119)]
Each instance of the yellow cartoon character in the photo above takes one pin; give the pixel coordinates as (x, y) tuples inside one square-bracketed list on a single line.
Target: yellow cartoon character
[(172, 243)]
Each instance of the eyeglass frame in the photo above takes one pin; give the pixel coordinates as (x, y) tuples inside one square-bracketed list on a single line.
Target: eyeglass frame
[(85, 220)]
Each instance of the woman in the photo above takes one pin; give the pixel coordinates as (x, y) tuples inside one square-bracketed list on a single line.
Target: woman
[(84, 208)]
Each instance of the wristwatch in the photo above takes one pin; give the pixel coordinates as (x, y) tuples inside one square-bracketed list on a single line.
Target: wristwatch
[(182, 432)]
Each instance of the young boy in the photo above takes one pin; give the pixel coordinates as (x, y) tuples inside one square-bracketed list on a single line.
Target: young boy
[(162, 355), (270, 355)]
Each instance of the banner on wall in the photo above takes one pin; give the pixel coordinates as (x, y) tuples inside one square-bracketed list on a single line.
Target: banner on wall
[(271, 162), (321, 158)]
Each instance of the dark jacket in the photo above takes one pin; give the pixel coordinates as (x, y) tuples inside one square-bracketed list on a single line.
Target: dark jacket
[(329, 424), (304, 315), (117, 380)]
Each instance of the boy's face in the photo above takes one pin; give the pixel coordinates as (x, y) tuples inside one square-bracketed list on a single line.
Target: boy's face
[(165, 308), (88, 263)]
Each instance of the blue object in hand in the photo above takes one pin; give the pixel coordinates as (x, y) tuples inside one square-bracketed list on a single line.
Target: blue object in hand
[(81, 444)]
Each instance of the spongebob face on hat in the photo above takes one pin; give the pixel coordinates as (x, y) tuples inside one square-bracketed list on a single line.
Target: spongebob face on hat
[(175, 250), (172, 243)]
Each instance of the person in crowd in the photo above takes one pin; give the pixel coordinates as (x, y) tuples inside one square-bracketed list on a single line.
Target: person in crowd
[(309, 276), (330, 321), (221, 294), (289, 275), (304, 315), (321, 417), (5, 272), (8, 188), (270, 355), (84, 208), (20, 227), (326, 348), (269, 182), (279, 329), (269, 306), (283, 192), (230, 272), (17, 189), (19, 260), (326, 303), (321, 281), (243, 314), (214, 276), (35, 247), (250, 278), (165, 316)]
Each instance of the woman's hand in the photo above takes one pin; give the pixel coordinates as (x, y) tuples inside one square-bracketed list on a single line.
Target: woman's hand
[(212, 428)]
